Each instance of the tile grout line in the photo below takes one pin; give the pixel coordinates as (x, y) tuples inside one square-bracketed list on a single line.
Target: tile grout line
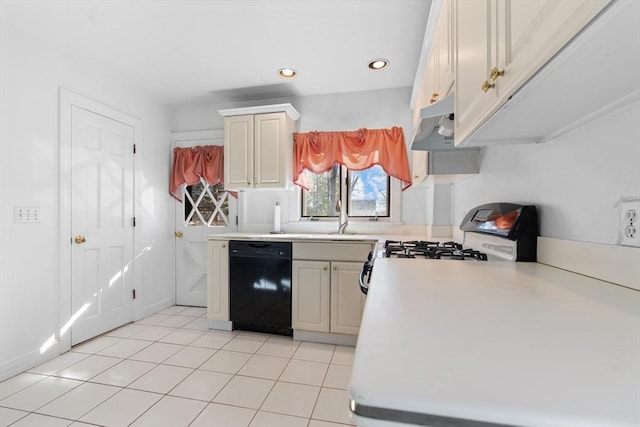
[(193, 369)]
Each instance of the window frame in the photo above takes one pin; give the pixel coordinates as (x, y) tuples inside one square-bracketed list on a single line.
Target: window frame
[(395, 201), (191, 206), (345, 186)]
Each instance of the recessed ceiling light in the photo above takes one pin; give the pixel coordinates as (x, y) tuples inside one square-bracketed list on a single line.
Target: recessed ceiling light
[(287, 73), (378, 64)]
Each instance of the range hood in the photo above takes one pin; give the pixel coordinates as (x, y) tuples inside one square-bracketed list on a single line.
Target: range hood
[(435, 131)]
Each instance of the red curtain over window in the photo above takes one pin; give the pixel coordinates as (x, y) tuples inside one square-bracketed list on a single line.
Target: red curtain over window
[(357, 150), (192, 163)]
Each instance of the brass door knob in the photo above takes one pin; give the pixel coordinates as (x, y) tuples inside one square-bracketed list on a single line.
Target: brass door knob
[(486, 86), (179, 234), (495, 73), (80, 239)]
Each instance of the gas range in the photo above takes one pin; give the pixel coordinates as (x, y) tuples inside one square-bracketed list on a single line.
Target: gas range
[(430, 250), (492, 232)]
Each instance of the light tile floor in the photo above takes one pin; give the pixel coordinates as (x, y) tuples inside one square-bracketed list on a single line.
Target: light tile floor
[(170, 370)]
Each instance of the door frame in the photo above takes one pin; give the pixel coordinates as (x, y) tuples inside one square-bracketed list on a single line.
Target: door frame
[(67, 99)]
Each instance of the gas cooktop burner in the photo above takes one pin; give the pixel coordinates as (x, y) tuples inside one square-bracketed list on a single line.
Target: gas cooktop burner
[(430, 250)]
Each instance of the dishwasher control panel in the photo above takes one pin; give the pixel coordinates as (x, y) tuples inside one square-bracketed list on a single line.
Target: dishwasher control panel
[(242, 248)]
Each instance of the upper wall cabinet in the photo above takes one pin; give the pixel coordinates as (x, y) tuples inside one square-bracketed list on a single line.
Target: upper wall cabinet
[(258, 147), (500, 44), (437, 79)]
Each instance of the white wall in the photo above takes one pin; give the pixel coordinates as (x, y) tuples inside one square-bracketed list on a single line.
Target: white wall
[(348, 111), (30, 77), (575, 180)]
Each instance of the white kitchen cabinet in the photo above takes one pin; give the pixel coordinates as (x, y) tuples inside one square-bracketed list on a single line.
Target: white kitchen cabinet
[(437, 79), (258, 147), (419, 167), (500, 44), (327, 297), (347, 300), (325, 287), (310, 295), (218, 280)]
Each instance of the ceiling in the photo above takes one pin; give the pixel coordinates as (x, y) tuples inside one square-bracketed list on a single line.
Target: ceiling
[(193, 51)]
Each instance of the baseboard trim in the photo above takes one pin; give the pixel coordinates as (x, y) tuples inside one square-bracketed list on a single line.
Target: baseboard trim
[(25, 362), (220, 325), (326, 338)]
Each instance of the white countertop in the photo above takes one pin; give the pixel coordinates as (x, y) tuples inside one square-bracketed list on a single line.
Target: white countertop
[(313, 237), (510, 343)]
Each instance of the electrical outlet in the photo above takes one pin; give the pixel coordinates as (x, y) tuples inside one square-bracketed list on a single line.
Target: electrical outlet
[(630, 223)]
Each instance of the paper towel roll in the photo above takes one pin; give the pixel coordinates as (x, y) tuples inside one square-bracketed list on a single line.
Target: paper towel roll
[(276, 218)]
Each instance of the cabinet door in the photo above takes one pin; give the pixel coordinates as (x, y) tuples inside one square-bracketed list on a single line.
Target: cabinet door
[(532, 31), (514, 38), (218, 280), (270, 143), (419, 166), (238, 152), (347, 301), (474, 55), (443, 44), (310, 295), (425, 96)]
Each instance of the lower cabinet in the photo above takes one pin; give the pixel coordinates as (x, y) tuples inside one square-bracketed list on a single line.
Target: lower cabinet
[(218, 280), (347, 300), (327, 297)]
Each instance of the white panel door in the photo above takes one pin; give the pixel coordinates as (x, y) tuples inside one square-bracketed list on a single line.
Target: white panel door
[(205, 210), (347, 300), (310, 295), (102, 202)]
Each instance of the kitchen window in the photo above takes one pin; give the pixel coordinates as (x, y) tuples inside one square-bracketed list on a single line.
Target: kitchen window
[(363, 169), (206, 205), (365, 193)]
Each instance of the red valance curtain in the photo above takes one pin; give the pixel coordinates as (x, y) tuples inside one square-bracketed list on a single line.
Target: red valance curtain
[(357, 150), (192, 163)]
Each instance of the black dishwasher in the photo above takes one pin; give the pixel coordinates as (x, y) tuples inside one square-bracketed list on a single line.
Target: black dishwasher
[(260, 286)]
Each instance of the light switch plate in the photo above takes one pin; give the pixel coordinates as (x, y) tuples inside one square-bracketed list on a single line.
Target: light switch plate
[(26, 215)]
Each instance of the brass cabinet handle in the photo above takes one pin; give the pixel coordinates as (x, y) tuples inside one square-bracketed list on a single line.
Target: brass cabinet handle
[(179, 234), (224, 246), (434, 97), (495, 73), (80, 239), (486, 86), (325, 268)]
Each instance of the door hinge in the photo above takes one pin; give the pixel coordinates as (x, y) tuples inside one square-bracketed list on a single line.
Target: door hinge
[(134, 221), (134, 294), (134, 148)]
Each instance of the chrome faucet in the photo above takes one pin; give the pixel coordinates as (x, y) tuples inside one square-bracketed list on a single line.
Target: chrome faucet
[(342, 215)]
